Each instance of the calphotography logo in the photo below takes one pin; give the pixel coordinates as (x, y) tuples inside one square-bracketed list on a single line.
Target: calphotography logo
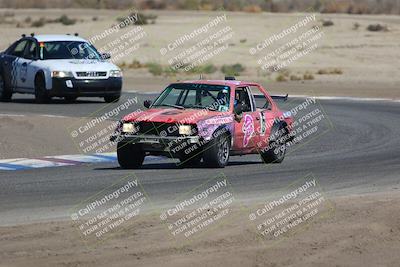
[(200, 210), (112, 210)]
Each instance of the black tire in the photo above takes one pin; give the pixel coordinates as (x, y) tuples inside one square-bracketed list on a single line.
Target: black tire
[(41, 95), (112, 98), (5, 93), (277, 146), (217, 155), (70, 99), (130, 156)]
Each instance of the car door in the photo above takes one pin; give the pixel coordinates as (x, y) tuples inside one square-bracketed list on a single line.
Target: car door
[(6, 69), (10, 61), (13, 63), (27, 68), (246, 123), (265, 115)]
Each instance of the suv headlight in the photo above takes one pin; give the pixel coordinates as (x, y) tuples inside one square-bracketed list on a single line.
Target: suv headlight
[(129, 128), (185, 129), (62, 74), (115, 73)]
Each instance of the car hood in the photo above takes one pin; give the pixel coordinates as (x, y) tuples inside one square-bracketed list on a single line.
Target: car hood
[(78, 65), (172, 115)]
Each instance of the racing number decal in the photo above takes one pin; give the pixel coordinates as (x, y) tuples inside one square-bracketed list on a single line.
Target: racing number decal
[(248, 129)]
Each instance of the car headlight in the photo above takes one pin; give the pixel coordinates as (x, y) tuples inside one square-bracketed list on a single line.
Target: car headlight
[(62, 74), (185, 129), (115, 73), (129, 128)]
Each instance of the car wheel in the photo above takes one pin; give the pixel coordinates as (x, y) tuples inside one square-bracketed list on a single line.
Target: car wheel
[(130, 156), (5, 94), (218, 154), (112, 98), (41, 95), (70, 99), (276, 150)]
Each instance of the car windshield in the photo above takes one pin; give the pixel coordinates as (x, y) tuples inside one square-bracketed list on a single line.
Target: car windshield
[(68, 50), (197, 96)]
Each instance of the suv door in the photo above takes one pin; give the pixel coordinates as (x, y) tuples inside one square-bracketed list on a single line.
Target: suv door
[(27, 68), (247, 122), (11, 63)]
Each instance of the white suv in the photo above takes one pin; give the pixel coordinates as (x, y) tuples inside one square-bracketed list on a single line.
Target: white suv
[(58, 66)]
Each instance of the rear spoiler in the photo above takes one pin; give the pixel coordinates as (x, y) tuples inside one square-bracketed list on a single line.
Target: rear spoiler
[(278, 97)]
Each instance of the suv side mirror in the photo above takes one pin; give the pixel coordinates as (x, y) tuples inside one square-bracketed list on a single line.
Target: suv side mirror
[(147, 103), (105, 55)]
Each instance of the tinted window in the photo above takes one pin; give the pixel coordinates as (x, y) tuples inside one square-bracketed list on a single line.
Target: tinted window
[(197, 96), (18, 50), (242, 98), (67, 50), (31, 51)]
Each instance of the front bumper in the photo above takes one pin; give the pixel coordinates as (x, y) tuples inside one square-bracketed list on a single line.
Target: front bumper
[(154, 139), (154, 143), (86, 87)]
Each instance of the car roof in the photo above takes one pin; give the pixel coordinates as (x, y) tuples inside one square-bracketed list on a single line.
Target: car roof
[(219, 82), (58, 37)]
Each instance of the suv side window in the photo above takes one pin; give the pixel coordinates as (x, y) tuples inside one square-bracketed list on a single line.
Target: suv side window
[(31, 50), (19, 49), (243, 98)]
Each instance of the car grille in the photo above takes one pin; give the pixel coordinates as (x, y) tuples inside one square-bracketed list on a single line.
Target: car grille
[(158, 128), (91, 74)]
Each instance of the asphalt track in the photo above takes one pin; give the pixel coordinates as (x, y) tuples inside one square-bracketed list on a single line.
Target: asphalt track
[(359, 152)]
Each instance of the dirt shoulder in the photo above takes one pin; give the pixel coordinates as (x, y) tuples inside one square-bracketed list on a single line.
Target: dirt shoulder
[(359, 233)]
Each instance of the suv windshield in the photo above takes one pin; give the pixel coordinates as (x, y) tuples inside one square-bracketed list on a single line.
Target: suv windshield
[(68, 50), (188, 95)]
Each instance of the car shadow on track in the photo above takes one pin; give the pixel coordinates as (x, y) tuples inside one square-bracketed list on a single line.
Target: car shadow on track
[(174, 166), (56, 101)]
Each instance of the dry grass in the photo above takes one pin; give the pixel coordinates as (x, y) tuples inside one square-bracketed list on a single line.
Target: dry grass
[(294, 77), (327, 23), (329, 71), (281, 78), (308, 76), (377, 28)]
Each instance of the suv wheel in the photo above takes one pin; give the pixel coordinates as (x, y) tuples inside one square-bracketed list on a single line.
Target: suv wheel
[(5, 94), (130, 156), (277, 148), (41, 95), (112, 98), (218, 154)]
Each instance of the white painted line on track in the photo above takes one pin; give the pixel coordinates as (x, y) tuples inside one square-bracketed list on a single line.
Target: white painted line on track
[(12, 115), (60, 161)]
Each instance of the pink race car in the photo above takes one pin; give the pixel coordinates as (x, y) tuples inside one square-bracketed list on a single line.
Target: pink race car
[(205, 120)]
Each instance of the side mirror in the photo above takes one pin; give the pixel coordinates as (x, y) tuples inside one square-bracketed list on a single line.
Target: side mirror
[(105, 55), (147, 103)]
